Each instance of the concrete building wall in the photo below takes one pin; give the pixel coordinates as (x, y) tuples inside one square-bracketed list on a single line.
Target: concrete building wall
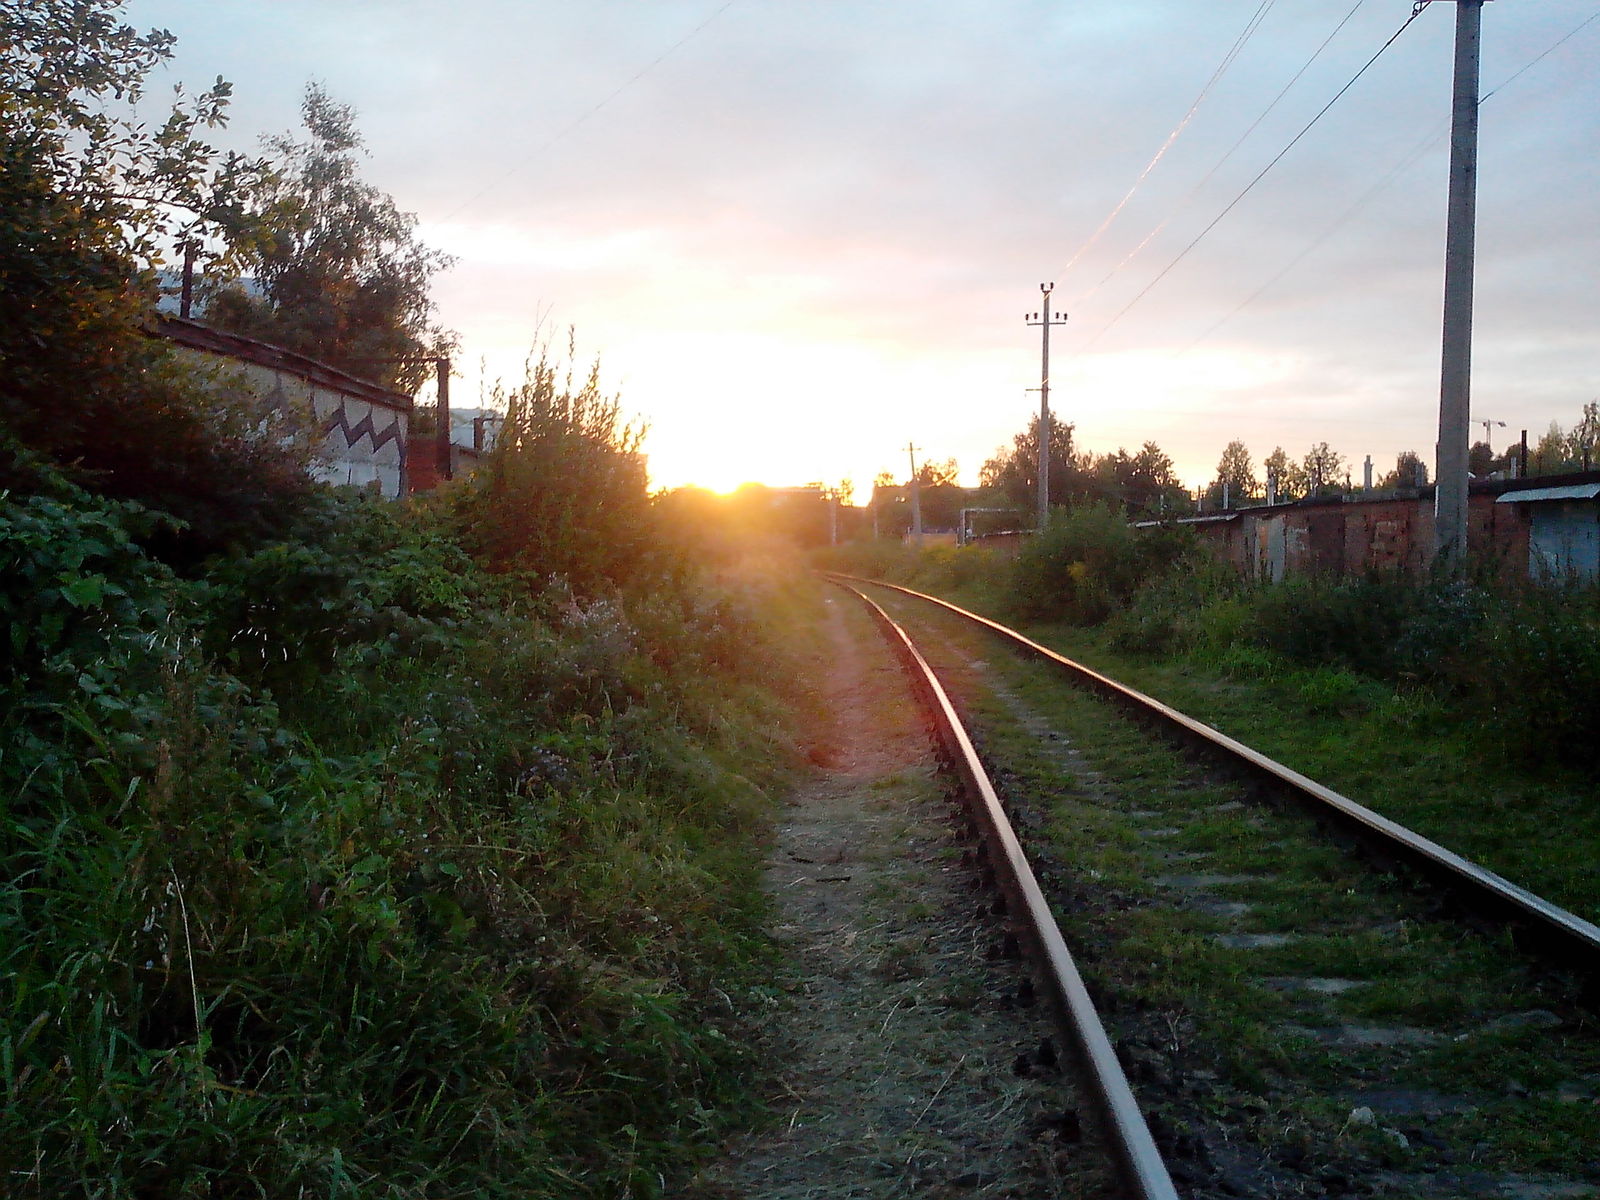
[(362, 427)]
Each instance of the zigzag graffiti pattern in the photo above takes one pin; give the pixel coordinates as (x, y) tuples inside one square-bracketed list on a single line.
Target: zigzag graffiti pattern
[(363, 428)]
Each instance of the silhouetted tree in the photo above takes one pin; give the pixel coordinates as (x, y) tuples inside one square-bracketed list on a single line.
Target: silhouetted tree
[(1237, 471), (1409, 471), (88, 201), (1014, 471), (1322, 467), (1285, 477), (340, 272), (1141, 482)]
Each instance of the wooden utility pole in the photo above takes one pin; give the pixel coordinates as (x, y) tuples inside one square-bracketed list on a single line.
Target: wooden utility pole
[(1455, 372), (1044, 319)]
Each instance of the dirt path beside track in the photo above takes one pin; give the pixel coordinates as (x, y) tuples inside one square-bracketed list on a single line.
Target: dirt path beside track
[(907, 1067)]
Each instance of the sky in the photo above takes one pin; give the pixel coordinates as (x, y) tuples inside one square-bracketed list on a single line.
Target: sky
[(801, 235)]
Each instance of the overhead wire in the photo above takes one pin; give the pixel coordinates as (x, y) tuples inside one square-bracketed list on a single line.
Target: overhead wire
[(1260, 175), (1399, 168), (1218, 165), (1239, 42), (577, 122), (1593, 17)]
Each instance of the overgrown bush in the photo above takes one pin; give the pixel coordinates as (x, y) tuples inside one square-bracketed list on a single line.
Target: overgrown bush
[(564, 493), (1345, 622), (1538, 681), (348, 870), (1198, 604), (1089, 562)]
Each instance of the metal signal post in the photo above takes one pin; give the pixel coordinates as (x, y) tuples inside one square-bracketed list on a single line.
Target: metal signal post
[(1044, 319)]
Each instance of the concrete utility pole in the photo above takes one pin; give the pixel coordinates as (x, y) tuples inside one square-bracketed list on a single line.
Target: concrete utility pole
[(916, 497), (1044, 319), (1455, 373)]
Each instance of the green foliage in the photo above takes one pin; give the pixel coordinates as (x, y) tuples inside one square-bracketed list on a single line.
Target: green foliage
[(1514, 659), (1286, 479), (1236, 481), (1089, 563), (1141, 483), (342, 276), (1014, 471), (1345, 622), (70, 75), (1197, 605), (564, 493), (1409, 472), (83, 200), (457, 913), (1575, 449), (1325, 691)]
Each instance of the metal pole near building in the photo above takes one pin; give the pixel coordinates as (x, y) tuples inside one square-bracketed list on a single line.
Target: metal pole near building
[(442, 367), (1044, 319), (1455, 373)]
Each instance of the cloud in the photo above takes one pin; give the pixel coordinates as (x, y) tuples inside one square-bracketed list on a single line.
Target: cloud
[(861, 199)]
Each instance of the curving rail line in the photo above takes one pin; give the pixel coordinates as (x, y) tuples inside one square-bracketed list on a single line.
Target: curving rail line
[(1143, 1172), (1567, 940)]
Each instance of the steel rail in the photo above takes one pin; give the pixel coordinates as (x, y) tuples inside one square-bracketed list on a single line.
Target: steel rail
[(1139, 1162), (1573, 942)]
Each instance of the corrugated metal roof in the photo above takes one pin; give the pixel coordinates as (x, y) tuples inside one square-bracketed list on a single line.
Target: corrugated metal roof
[(1575, 491)]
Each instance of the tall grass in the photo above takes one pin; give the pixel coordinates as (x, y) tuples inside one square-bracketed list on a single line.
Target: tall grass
[(347, 869), (1516, 660)]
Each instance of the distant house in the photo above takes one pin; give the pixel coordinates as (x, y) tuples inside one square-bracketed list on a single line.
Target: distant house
[(363, 427)]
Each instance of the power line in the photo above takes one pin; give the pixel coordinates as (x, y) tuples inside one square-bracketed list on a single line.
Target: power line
[(1254, 125), (568, 129), (1403, 165), (1234, 203), (1593, 17), (1227, 61)]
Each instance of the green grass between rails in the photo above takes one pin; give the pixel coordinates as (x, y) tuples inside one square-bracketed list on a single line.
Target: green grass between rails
[(1211, 1009), (1461, 711)]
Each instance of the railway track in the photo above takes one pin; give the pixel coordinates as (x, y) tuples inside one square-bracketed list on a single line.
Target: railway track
[(1192, 1111)]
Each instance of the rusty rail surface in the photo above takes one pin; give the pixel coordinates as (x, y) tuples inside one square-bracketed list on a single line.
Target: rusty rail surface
[(1567, 940), (1144, 1174)]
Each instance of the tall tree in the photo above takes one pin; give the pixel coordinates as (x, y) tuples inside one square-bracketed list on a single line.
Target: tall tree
[(1140, 482), (1480, 459), (1549, 454), (1285, 477), (89, 198), (1236, 470), (938, 473), (1583, 443), (339, 271), (1409, 471), (1322, 467), (1014, 471)]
